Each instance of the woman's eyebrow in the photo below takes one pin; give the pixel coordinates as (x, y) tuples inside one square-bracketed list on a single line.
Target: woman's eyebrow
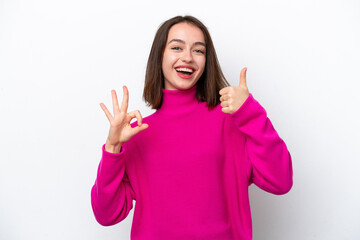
[(182, 41)]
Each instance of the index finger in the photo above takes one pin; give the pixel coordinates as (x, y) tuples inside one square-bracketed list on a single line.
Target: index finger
[(125, 101), (224, 90)]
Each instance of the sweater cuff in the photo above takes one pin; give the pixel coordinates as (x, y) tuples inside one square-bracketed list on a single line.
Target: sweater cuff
[(112, 155), (248, 113), (244, 106)]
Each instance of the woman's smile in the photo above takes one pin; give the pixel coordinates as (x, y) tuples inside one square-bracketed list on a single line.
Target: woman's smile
[(185, 72)]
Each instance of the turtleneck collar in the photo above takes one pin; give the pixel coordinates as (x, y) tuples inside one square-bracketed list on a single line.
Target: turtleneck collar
[(178, 101)]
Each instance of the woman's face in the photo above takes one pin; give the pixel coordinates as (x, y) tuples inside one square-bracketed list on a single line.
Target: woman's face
[(184, 56)]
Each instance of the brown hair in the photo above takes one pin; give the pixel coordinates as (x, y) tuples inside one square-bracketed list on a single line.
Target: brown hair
[(208, 85)]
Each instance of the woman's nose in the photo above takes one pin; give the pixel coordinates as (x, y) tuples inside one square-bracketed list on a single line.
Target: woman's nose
[(186, 56)]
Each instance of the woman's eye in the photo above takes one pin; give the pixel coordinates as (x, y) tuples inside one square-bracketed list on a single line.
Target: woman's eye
[(175, 48), (199, 51)]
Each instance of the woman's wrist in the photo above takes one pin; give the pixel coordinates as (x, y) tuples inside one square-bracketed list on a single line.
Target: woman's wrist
[(113, 148)]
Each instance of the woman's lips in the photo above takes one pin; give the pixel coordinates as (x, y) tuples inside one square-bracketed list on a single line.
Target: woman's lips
[(184, 76), (184, 71)]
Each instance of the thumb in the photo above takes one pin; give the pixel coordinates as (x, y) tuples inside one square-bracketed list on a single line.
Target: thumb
[(243, 76), (140, 128)]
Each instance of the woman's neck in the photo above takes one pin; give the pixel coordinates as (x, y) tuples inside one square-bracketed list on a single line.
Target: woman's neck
[(178, 101)]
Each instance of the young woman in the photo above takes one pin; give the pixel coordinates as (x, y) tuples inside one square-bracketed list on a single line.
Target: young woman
[(189, 164)]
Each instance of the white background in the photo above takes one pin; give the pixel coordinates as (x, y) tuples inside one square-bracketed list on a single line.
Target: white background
[(60, 59)]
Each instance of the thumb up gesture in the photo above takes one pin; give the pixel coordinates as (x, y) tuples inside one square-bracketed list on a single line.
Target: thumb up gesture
[(233, 97)]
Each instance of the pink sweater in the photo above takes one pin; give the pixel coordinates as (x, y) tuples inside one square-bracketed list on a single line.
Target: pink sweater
[(189, 171)]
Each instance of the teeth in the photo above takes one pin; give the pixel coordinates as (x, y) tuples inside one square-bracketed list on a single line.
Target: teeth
[(184, 70)]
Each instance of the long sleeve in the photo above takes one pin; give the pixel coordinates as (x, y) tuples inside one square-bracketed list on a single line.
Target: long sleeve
[(270, 160), (112, 194)]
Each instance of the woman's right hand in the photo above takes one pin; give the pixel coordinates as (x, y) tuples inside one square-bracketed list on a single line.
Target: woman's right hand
[(120, 128)]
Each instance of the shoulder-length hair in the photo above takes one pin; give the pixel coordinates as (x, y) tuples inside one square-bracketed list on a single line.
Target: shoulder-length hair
[(209, 84)]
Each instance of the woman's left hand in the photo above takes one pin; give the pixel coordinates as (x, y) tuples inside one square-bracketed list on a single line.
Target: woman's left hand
[(233, 97)]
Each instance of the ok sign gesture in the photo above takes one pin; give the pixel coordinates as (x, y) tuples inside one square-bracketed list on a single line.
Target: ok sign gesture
[(120, 128)]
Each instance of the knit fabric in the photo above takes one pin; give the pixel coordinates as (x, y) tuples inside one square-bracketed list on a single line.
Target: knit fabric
[(190, 170)]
